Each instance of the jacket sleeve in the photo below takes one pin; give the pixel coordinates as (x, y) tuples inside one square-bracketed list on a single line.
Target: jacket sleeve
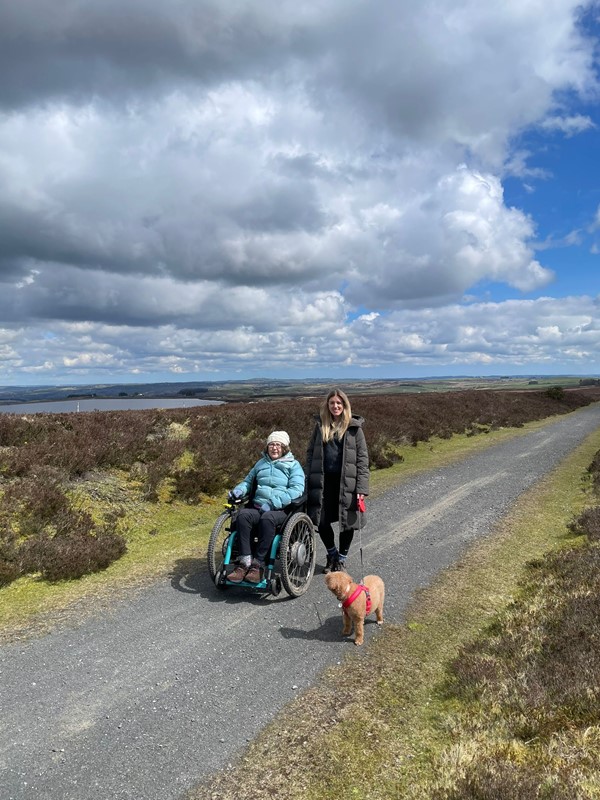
[(362, 463), (283, 497), (248, 482)]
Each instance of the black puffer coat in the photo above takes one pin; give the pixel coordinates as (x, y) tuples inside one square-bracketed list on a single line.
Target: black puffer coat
[(354, 479)]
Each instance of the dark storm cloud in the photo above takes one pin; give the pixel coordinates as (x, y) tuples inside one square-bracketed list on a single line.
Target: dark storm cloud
[(283, 208), (76, 49)]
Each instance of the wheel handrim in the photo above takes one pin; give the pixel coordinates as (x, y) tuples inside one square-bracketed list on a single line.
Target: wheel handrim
[(299, 558)]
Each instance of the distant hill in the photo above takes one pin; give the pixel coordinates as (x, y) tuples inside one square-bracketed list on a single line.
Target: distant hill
[(262, 388), (31, 394)]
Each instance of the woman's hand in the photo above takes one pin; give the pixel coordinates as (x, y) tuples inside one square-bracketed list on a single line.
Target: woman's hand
[(235, 496)]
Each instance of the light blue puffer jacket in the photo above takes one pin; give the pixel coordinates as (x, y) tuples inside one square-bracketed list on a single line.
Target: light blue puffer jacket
[(278, 481)]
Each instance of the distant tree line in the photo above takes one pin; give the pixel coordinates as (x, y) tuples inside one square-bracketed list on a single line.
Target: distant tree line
[(192, 392)]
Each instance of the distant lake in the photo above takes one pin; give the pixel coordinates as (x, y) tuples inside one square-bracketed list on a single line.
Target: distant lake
[(105, 404)]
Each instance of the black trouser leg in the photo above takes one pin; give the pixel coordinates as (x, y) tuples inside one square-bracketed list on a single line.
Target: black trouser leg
[(326, 533), (267, 528), (245, 523), (345, 541)]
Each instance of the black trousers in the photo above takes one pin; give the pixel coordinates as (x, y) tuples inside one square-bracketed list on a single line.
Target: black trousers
[(328, 538), (265, 524)]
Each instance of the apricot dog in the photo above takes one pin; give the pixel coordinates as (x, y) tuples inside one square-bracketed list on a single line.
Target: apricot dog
[(355, 601)]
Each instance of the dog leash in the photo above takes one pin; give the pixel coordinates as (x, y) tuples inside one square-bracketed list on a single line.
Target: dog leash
[(361, 508)]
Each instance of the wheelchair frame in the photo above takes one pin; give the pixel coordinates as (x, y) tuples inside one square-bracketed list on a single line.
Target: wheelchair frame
[(293, 548)]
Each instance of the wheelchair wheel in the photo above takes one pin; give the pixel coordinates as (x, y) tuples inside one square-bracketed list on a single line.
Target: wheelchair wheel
[(297, 554), (218, 537)]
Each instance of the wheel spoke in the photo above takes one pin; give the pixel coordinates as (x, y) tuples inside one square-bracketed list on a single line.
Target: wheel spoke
[(298, 554), (299, 571)]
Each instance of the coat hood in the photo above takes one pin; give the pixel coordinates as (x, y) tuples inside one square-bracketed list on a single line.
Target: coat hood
[(356, 420)]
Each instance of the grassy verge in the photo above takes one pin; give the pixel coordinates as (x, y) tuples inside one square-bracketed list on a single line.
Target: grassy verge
[(384, 723), (157, 535), (439, 452)]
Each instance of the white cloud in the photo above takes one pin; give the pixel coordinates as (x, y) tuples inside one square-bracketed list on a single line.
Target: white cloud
[(475, 337), (517, 166), (570, 126)]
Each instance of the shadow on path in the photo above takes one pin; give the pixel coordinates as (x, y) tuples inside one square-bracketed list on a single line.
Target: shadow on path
[(190, 576), (328, 631)]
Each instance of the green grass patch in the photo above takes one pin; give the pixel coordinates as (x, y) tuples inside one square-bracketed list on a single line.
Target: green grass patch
[(157, 534), (383, 724)]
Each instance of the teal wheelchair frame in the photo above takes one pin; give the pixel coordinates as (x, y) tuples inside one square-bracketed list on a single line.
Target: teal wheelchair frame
[(291, 559)]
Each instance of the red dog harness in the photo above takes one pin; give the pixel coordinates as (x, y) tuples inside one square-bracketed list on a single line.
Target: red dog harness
[(349, 600)]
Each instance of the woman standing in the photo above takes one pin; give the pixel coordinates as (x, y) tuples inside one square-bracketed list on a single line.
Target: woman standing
[(337, 475)]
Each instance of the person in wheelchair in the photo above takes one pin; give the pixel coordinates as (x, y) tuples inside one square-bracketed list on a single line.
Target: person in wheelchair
[(273, 483)]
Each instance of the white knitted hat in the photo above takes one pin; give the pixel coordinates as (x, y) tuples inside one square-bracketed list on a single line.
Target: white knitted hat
[(279, 436)]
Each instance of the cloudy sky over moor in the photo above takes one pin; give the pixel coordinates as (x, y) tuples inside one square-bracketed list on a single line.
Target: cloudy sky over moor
[(207, 189)]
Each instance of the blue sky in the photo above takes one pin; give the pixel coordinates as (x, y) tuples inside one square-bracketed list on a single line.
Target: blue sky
[(210, 189), (564, 204)]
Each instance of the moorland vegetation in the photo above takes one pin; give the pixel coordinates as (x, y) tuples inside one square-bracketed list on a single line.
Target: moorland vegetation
[(526, 693), (51, 464)]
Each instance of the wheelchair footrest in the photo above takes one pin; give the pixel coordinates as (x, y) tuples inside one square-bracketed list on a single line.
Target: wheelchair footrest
[(263, 585)]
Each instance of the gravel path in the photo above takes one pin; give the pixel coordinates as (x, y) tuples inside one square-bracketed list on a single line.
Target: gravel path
[(142, 702)]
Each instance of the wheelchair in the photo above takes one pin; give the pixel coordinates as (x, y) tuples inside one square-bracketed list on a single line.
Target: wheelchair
[(290, 562)]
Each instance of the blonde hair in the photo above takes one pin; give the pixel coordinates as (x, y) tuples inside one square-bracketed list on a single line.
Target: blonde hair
[(331, 426)]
